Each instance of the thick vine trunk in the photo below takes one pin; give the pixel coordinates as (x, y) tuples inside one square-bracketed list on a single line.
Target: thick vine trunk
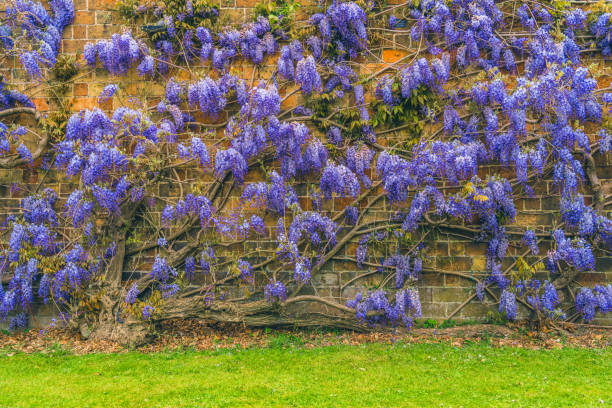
[(590, 169), (130, 332), (110, 324), (252, 314), (114, 270)]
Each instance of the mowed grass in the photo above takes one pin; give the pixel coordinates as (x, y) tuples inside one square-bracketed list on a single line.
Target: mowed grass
[(374, 375)]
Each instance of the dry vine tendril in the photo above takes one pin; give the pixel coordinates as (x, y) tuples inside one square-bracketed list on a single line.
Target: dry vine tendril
[(482, 83)]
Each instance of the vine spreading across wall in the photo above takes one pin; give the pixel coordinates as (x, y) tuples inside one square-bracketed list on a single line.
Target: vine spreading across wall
[(481, 82)]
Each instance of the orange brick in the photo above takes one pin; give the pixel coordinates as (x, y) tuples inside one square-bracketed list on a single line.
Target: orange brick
[(83, 103), (234, 14), (393, 55), (107, 105), (246, 3), (67, 34), (41, 104), (101, 4), (289, 103), (83, 17), (79, 32), (73, 46), (101, 31), (81, 4), (81, 89), (183, 75)]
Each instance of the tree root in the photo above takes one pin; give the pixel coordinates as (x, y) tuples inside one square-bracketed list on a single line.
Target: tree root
[(130, 332)]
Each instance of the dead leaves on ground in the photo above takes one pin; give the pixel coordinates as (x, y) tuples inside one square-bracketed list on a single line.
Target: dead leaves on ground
[(197, 335)]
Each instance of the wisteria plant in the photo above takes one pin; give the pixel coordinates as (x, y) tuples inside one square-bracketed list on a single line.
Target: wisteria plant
[(225, 200)]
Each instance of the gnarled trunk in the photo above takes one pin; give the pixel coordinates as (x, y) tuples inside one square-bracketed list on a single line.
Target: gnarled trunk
[(110, 324), (252, 314)]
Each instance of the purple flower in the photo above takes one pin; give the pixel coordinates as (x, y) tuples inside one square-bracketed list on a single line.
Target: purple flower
[(507, 304), (146, 66), (531, 241), (161, 271), (586, 304), (362, 250), (275, 291), (25, 154), (340, 180), (265, 102), (18, 322), (550, 299), (199, 151), (132, 294), (480, 290), (147, 312), (230, 159), (30, 62), (393, 21), (575, 18), (117, 55), (320, 230), (603, 295), (246, 270), (173, 92), (169, 290), (208, 96), (302, 271), (307, 76), (351, 214), (384, 91), (107, 93), (334, 135)]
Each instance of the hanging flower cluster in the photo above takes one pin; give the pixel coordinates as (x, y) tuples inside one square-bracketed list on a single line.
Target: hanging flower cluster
[(117, 55), (40, 28), (344, 26), (375, 308)]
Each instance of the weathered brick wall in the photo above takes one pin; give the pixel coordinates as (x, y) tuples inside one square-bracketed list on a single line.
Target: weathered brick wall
[(440, 293)]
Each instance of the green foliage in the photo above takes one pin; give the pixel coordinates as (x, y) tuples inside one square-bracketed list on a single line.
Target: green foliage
[(328, 114), (55, 122), (204, 15), (65, 68), (559, 7), (430, 324), (58, 350), (63, 72), (283, 341), (447, 324), (598, 9), (279, 13), (495, 317), (127, 8), (323, 107), (524, 271), (408, 113)]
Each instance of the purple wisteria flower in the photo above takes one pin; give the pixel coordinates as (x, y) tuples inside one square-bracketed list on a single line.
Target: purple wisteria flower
[(307, 76), (107, 93), (275, 291)]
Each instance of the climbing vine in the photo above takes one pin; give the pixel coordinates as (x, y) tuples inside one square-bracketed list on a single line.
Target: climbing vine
[(232, 196)]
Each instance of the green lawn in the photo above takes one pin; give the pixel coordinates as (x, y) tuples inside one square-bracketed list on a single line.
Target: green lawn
[(375, 375)]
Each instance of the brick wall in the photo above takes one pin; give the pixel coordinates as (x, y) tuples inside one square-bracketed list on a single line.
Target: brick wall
[(440, 293)]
